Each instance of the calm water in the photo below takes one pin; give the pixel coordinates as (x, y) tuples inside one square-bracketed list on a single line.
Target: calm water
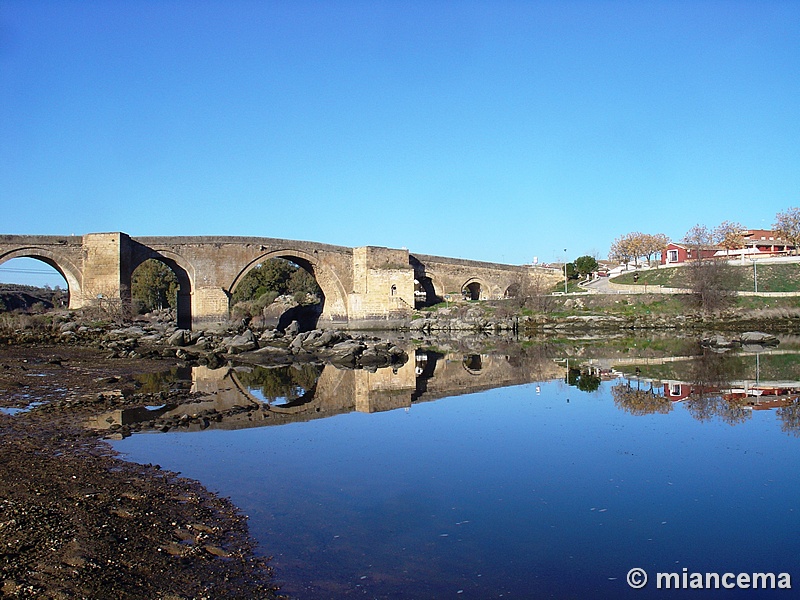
[(528, 491)]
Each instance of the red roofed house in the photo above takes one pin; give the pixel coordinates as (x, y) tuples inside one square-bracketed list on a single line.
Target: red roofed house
[(757, 242)]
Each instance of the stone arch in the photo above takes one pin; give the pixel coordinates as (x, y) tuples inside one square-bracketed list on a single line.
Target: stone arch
[(513, 290), (334, 302), (182, 269), (473, 289), (66, 268), (429, 289), (472, 363)]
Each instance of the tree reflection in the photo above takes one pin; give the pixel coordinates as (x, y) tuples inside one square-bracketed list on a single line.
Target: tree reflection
[(290, 383), (639, 402), (790, 417), (711, 374), (583, 379), (163, 381)]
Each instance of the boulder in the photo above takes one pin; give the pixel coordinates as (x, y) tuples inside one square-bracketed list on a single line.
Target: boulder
[(373, 357), (180, 338), (758, 338), (293, 329), (244, 342), (270, 334), (718, 341), (345, 352)]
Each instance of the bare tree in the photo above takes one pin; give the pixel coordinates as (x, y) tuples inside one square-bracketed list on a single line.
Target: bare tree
[(625, 249), (713, 284), (787, 226), (654, 244), (698, 237), (635, 245), (533, 290), (790, 417), (729, 235), (619, 251)]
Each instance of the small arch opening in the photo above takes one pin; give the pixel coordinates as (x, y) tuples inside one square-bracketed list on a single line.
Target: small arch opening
[(473, 363), (472, 291), (513, 291)]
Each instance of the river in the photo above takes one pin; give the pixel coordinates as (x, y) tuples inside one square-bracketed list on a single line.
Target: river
[(490, 476)]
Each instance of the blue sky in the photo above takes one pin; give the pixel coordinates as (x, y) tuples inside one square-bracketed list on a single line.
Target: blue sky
[(497, 131)]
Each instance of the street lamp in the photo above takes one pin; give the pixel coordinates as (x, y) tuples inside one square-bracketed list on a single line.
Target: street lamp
[(755, 276), (565, 270)]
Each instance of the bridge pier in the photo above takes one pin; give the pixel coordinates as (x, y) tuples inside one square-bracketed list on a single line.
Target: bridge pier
[(106, 269)]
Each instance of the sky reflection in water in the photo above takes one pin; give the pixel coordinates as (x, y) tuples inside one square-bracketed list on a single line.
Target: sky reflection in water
[(530, 491)]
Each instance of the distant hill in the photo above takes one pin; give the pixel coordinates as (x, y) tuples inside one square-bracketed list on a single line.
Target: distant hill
[(26, 297)]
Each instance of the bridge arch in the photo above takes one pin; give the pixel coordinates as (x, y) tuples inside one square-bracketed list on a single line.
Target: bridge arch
[(183, 270), (71, 273), (472, 363), (428, 290), (474, 289), (334, 301)]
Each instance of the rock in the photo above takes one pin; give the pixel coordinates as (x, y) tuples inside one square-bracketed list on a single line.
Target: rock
[(269, 335), (273, 354), (243, 342), (419, 325), (179, 338), (396, 351), (374, 358), (717, 341), (759, 338), (293, 329), (345, 352), (297, 343)]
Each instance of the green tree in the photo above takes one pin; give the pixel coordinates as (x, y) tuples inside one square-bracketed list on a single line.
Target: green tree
[(585, 265), (154, 286), (572, 272), (275, 275), (584, 380)]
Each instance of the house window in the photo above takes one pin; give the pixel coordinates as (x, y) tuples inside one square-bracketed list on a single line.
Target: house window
[(672, 256)]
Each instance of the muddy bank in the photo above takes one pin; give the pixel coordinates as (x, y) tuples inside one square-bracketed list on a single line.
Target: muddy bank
[(76, 521)]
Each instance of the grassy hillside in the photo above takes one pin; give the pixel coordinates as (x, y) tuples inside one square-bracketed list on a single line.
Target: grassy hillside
[(783, 277)]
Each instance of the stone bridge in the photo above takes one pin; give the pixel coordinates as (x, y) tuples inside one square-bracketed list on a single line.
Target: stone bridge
[(366, 287)]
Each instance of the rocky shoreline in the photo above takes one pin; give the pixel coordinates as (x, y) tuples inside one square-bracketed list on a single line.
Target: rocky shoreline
[(77, 521)]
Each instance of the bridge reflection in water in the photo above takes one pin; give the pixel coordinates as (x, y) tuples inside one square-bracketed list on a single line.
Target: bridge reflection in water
[(245, 396)]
